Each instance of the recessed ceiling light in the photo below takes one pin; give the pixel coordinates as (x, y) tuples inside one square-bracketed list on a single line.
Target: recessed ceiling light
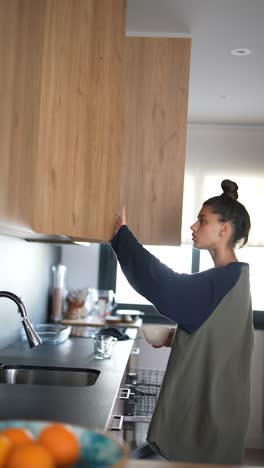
[(240, 52)]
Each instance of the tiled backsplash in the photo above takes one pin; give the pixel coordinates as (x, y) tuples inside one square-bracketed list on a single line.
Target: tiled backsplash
[(24, 270)]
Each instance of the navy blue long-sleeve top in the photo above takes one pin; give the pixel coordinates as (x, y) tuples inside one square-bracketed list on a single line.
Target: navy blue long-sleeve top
[(186, 299)]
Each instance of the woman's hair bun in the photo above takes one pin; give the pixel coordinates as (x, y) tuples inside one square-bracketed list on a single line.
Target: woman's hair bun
[(230, 188)]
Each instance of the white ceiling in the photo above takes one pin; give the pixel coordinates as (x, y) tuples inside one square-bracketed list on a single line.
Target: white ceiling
[(223, 89)]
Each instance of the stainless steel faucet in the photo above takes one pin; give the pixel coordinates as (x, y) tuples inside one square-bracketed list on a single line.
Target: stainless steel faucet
[(31, 334)]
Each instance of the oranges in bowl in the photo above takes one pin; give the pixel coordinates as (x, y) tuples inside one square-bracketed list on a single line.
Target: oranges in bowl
[(39, 444), (54, 445)]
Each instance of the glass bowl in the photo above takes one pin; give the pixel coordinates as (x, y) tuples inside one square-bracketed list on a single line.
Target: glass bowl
[(50, 333)]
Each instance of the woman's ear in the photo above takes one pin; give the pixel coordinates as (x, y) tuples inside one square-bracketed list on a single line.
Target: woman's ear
[(227, 230)]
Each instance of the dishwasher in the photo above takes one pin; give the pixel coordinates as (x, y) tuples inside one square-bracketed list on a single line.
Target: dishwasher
[(138, 397)]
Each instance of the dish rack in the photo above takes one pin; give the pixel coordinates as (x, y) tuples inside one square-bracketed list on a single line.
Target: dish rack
[(144, 387)]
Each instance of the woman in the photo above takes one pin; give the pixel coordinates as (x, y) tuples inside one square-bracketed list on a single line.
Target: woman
[(203, 409)]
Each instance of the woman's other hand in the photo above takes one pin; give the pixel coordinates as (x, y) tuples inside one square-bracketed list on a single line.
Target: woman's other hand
[(169, 340), (120, 220)]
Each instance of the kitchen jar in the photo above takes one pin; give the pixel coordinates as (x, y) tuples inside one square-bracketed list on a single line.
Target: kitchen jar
[(76, 304)]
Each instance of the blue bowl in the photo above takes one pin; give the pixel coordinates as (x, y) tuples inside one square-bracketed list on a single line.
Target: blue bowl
[(98, 450)]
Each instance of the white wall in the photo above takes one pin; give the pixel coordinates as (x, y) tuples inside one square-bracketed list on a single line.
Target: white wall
[(82, 265), (225, 149), (25, 269)]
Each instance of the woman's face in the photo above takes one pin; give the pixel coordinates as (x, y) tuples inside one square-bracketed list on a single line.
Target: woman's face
[(207, 230)]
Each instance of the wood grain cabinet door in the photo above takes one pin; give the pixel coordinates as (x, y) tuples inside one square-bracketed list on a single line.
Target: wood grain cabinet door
[(156, 77), (21, 42), (79, 145)]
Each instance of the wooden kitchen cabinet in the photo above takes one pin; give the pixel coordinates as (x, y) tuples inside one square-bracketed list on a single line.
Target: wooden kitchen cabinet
[(90, 120), (62, 114)]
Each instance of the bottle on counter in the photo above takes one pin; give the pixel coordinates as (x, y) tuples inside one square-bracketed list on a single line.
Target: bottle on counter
[(105, 303), (101, 304), (58, 292)]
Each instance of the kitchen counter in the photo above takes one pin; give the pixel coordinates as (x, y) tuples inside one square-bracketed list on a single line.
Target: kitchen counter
[(89, 406)]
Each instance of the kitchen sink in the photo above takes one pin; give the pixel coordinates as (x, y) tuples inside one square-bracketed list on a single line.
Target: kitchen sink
[(36, 375)]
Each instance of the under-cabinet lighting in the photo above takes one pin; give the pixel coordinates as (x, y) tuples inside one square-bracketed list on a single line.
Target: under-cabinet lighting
[(85, 244)]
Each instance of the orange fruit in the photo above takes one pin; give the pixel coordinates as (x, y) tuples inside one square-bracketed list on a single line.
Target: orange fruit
[(30, 455), (62, 443), (5, 446), (18, 435)]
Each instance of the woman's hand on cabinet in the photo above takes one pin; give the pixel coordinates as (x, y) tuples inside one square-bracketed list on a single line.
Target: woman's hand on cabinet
[(120, 220)]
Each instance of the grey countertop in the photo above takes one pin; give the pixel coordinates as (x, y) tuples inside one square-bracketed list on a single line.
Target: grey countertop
[(89, 406)]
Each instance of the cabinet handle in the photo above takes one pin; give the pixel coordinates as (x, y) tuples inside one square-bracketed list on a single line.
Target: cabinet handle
[(135, 351), (120, 424), (124, 393)]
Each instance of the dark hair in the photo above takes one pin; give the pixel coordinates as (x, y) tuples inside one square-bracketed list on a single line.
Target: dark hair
[(229, 209)]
